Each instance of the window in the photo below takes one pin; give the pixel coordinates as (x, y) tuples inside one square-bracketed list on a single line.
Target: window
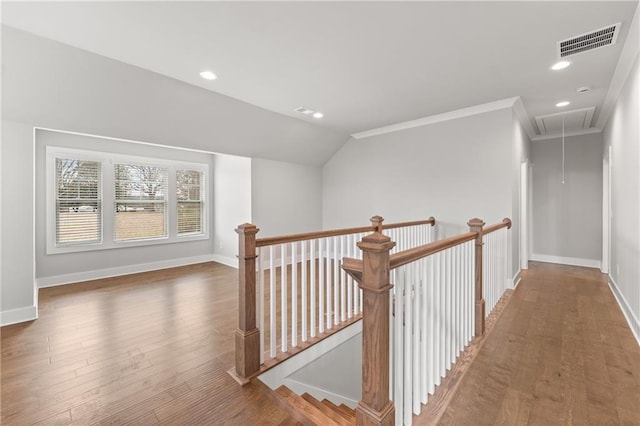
[(189, 197), (78, 204), (99, 200), (140, 201)]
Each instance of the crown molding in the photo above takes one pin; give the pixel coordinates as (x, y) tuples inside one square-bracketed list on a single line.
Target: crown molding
[(451, 115)]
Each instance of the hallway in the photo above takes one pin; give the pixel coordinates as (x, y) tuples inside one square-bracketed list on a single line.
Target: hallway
[(561, 353)]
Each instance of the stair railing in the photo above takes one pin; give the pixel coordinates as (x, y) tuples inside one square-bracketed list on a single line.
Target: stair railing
[(422, 307), (293, 291)]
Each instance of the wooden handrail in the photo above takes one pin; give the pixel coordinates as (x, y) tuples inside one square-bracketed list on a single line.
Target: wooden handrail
[(431, 221), (506, 223), (268, 241), (411, 255)]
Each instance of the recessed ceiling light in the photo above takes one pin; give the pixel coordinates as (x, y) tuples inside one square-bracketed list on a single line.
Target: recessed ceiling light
[(560, 65), (208, 75), (309, 111), (562, 104)]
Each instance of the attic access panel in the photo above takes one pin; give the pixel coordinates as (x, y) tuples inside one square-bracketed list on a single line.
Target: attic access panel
[(575, 120)]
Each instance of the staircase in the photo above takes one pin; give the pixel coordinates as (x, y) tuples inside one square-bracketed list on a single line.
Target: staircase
[(307, 410)]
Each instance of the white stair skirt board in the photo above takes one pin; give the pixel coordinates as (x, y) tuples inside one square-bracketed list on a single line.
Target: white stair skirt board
[(572, 261), (15, 316), (118, 271), (632, 320), (276, 376)]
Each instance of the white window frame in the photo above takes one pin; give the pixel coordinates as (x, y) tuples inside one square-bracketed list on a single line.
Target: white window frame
[(108, 200)]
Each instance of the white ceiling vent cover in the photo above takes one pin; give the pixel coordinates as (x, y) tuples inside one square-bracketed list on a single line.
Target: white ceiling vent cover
[(602, 37)]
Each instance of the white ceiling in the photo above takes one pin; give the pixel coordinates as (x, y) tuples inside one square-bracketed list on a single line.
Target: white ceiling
[(363, 64)]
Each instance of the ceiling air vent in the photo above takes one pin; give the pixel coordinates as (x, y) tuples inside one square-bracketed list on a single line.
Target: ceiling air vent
[(593, 40)]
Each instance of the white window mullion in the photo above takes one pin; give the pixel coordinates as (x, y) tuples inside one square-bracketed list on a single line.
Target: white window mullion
[(108, 200), (172, 207)]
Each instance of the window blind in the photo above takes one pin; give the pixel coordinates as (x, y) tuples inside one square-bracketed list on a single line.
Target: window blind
[(78, 201), (140, 201), (189, 196)]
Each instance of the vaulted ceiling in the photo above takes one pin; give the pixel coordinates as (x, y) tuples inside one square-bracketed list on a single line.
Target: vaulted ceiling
[(364, 65)]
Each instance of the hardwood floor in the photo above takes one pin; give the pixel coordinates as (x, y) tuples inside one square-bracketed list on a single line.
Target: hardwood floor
[(143, 349), (561, 354), (154, 348)]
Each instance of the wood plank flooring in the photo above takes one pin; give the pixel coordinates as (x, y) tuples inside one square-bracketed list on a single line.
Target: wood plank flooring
[(150, 348), (561, 354), (154, 348)]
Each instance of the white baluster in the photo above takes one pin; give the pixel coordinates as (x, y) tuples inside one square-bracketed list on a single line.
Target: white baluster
[(330, 308), (321, 284), (294, 296), (449, 310), (283, 297), (272, 303), (312, 259), (408, 349), (432, 342), (399, 357), (422, 353), (261, 303), (304, 283), (415, 334), (336, 284), (340, 272), (349, 280), (439, 314)]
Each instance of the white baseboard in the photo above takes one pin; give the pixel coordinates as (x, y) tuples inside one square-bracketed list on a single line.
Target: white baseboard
[(14, 316), (319, 394), (118, 271), (516, 279), (573, 261), (229, 261), (632, 320)]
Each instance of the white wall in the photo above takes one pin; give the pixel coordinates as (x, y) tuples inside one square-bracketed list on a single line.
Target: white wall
[(232, 204), (567, 218), (623, 136), (286, 198), (18, 268), (62, 268), (453, 170)]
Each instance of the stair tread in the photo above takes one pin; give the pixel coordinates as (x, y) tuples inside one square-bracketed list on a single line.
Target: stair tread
[(348, 411), (336, 409), (309, 409), (327, 408)]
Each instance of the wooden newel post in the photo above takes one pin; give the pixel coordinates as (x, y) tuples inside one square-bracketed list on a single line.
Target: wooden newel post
[(375, 408), (247, 334), (475, 225)]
